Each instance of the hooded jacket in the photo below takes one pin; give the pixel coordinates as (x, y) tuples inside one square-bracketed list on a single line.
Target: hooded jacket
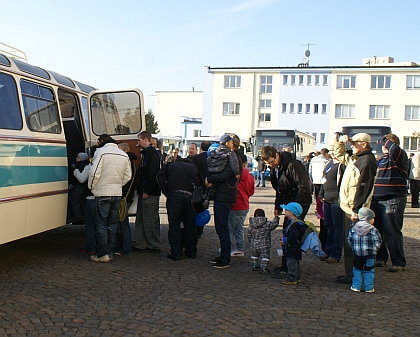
[(364, 239), (259, 231)]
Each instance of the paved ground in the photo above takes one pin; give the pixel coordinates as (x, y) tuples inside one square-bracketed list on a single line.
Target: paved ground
[(48, 288)]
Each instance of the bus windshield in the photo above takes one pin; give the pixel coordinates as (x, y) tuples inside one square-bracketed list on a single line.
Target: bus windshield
[(375, 133), (278, 138)]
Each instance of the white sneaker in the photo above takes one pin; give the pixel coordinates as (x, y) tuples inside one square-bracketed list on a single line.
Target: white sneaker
[(104, 258), (236, 253)]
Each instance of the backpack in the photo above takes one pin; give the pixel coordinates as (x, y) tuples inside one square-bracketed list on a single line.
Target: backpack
[(309, 228)]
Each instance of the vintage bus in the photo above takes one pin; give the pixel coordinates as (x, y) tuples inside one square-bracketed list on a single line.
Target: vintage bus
[(46, 119)]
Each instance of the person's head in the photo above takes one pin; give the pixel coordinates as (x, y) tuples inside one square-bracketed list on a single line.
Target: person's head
[(82, 156), (236, 141), (175, 153), (104, 139), (124, 147), (366, 214), (292, 210), (192, 149), (144, 139), (227, 141), (411, 155), (154, 142), (324, 151), (393, 138), (259, 212), (270, 155), (287, 148), (159, 145), (204, 146), (360, 142)]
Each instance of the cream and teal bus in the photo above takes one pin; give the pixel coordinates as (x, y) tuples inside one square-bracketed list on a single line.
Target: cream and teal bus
[(46, 119)]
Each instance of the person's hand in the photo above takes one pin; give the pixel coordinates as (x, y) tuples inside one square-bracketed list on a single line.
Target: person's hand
[(145, 196), (281, 241), (276, 212), (207, 183), (354, 218)]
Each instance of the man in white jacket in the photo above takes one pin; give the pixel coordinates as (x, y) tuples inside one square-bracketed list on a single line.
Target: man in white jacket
[(110, 170)]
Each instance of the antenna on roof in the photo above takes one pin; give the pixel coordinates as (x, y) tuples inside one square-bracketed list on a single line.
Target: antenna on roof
[(307, 54), (13, 52)]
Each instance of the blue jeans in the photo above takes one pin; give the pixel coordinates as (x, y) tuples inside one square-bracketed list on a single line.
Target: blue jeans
[(389, 218), (236, 228), (293, 269), (179, 208), (106, 222), (90, 216), (261, 178), (363, 270), (76, 196), (221, 220), (334, 223), (124, 241)]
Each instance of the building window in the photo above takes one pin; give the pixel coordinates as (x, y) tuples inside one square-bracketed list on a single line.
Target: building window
[(379, 112), (315, 108), (380, 82), (314, 135), (197, 133), (292, 108), (265, 103), (344, 111), (232, 81), (231, 108), (324, 108), (412, 112), (346, 82), (308, 108), (308, 79), (300, 108), (293, 79), (284, 108), (300, 79), (317, 79), (265, 117), (285, 78), (411, 144), (413, 81), (322, 137), (325, 80), (266, 84)]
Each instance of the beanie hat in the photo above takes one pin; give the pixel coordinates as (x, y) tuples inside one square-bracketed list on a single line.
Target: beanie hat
[(83, 156), (366, 214)]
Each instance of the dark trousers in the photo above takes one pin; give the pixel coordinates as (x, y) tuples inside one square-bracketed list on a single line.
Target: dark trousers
[(348, 252), (415, 189), (124, 240), (221, 219)]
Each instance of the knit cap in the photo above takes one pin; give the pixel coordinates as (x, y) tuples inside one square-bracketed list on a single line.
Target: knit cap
[(366, 214), (83, 156)]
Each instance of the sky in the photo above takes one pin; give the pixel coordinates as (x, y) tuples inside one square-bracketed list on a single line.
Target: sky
[(165, 45)]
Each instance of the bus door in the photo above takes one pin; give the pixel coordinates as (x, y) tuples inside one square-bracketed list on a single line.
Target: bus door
[(118, 113)]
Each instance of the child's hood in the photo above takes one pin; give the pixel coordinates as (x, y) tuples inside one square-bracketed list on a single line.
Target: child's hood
[(362, 227), (258, 221)]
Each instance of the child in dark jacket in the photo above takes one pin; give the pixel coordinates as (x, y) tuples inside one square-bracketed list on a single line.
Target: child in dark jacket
[(292, 241), (259, 236)]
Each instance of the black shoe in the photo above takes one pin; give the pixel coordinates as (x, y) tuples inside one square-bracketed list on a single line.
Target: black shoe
[(279, 274), (221, 264), (255, 268), (344, 280), (191, 256), (265, 271), (175, 258), (216, 260)]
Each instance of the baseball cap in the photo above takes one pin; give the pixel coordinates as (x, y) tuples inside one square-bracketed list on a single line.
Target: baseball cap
[(224, 139), (366, 214), (361, 137), (293, 207)]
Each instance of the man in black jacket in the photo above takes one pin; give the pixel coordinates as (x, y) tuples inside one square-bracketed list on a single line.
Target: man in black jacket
[(289, 180), (147, 229), (176, 181)]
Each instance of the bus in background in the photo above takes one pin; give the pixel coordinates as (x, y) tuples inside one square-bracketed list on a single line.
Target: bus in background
[(169, 142), (46, 119), (281, 138), (375, 131), (183, 149)]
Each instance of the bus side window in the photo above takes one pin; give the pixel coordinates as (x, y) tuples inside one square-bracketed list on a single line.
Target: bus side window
[(10, 116)]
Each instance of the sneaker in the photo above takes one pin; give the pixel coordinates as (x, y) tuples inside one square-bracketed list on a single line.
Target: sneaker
[(237, 253), (265, 271), (104, 258), (172, 257), (215, 260), (355, 289), (332, 260), (324, 257), (255, 268), (369, 291), (289, 282), (396, 269), (221, 264), (380, 264), (280, 274)]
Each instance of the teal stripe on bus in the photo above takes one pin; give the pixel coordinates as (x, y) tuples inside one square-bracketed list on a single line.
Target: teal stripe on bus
[(32, 150), (25, 175)]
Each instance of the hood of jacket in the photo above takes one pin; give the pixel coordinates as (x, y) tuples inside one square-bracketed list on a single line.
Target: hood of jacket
[(362, 227), (257, 221)]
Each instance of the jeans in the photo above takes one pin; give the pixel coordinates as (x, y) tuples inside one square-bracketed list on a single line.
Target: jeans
[(90, 215), (147, 230), (236, 228), (124, 240), (221, 220), (261, 178), (106, 221), (348, 252), (389, 218), (293, 269), (363, 270), (76, 196), (334, 223), (179, 209)]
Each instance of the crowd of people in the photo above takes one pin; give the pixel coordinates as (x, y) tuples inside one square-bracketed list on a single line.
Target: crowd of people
[(360, 202)]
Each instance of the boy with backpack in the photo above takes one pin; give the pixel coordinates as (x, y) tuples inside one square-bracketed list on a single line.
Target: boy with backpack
[(292, 240)]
